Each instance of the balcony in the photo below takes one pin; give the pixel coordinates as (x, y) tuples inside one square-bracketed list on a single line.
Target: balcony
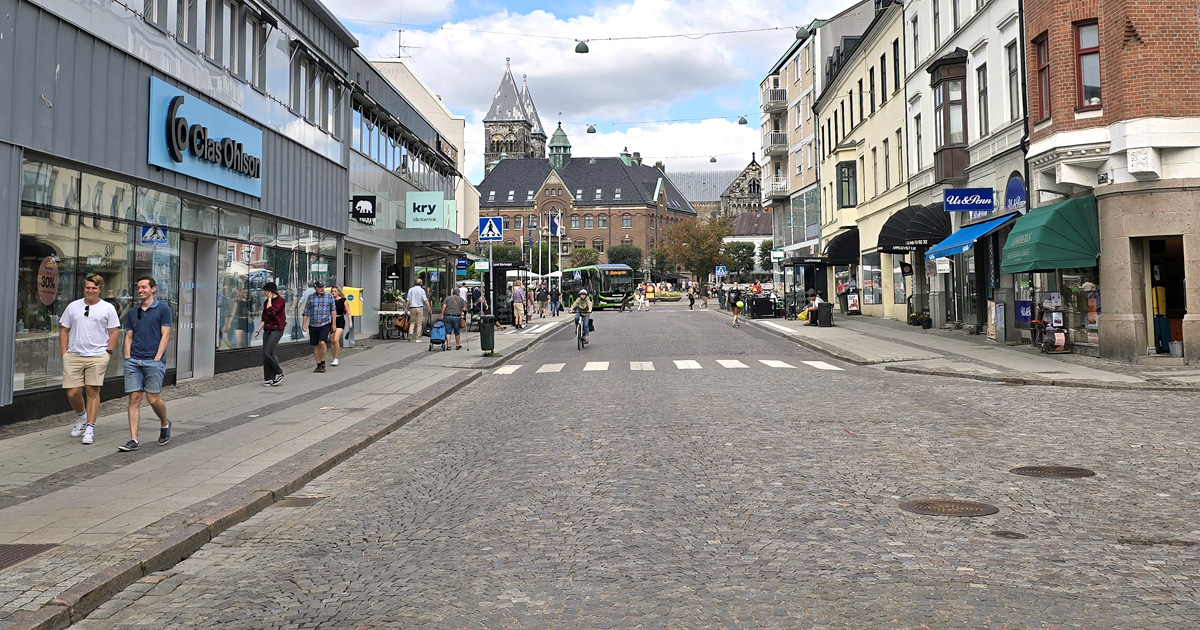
[(774, 99), (775, 143), (776, 186)]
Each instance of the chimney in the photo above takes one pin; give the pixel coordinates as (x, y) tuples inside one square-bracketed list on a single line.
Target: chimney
[(660, 166), (637, 158)]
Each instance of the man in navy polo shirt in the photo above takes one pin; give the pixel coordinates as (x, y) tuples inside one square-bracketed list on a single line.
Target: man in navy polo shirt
[(148, 329)]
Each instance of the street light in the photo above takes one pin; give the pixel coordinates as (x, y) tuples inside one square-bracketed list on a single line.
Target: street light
[(581, 47)]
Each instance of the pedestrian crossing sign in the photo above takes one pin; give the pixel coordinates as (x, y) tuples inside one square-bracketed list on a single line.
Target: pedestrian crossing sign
[(490, 229), (578, 275), (721, 271)]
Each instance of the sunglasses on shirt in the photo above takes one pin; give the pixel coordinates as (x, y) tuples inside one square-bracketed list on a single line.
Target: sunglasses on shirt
[(86, 309)]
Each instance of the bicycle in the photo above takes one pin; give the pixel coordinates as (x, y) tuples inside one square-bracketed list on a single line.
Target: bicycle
[(580, 333)]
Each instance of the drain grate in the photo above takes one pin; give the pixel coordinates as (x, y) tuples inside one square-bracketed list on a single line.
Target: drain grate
[(1054, 472), (297, 501), (1009, 535), (948, 507), (12, 554)]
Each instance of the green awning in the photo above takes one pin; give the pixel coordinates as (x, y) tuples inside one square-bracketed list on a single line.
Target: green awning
[(1064, 235)]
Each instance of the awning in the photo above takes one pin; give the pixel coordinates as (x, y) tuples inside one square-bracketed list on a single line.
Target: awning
[(964, 239), (930, 225), (843, 249), (1064, 235), (895, 230)]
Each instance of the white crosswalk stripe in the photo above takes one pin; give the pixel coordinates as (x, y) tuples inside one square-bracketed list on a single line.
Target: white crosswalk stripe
[(732, 363), (775, 364), (551, 367), (779, 327), (596, 366), (821, 365), (641, 366), (688, 365), (507, 369)]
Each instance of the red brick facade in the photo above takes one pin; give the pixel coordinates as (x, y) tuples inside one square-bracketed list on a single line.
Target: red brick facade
[(1149, 60)]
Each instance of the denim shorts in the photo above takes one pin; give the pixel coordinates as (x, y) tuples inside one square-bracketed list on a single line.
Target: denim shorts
[(144, 375), (453, 324)]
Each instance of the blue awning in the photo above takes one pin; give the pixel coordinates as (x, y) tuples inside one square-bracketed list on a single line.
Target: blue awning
[(964, 239)]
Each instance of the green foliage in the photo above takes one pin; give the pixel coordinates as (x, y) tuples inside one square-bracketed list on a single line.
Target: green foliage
[(741, 257), (584, 256), (764, 254), (697, 246), (660, 264), (625, 255), (506, 253), (539, 254)]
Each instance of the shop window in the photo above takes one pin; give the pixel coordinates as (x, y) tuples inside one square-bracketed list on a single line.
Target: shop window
[(589, 222), (45, 285), (872, 279), (156, 207), (235, 225), (602, 221), (1087, 64), (899, 288), (200, 218), (627, 221), (106, 199), (262, 230)]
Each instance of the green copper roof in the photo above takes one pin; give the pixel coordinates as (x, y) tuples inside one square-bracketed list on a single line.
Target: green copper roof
[(559, 139)]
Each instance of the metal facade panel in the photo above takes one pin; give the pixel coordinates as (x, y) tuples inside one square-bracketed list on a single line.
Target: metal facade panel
[(8, 62), (23, 94), (10, 224)]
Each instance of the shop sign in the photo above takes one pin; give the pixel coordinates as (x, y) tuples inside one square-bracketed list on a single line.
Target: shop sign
[(943, 265), (777, 254), (189, 136), (483, 265), (1024, 312), (319, 267), (1015, 195), (446, 149), (462, 263), (47, 286), (425, 210), (362, 208), (906, 269), (968, 200)]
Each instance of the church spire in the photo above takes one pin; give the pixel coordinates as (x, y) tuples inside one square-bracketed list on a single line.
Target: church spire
[(530, 110), (507, 105)]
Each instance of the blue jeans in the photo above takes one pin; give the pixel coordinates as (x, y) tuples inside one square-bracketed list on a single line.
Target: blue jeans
[(586, 317)]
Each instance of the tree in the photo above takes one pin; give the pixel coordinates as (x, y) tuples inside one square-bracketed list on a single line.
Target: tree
[(584, 256), (696, 246), (660, 265), (741, 257), (625, 255), (506, 253), (764, 254), (539, 254)]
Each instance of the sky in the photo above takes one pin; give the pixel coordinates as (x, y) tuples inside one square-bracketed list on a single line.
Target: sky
[(673, 99)]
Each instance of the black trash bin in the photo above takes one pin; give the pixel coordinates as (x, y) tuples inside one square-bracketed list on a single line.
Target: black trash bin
[(487, 333), (761, 307), (825, 314)]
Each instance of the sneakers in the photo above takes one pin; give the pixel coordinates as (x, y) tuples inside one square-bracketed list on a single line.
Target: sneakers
[(269, 382), (131, 445), (277, 379), (320, 367), (164, 434), (89, 433), (80, 423), (333, 362)]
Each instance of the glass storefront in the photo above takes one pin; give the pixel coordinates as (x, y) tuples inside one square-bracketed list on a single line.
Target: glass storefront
[(899, 284), (872, 279)]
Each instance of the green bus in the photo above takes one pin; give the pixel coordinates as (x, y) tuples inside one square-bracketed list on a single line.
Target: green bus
[(609, 286)]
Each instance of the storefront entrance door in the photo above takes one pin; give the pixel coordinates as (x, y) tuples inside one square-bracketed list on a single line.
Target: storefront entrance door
[(186, 326)]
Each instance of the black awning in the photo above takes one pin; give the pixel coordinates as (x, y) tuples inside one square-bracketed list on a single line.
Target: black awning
[(843, 249), (895, 231), (929, 226)]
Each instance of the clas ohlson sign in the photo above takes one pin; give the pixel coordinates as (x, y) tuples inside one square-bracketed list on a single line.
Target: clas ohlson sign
[(194, 138)]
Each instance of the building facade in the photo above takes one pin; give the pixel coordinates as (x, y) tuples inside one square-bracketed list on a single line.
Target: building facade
[(250, 185), (512, 127)]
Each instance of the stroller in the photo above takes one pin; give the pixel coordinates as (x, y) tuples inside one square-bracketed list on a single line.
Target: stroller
[(437, 336)]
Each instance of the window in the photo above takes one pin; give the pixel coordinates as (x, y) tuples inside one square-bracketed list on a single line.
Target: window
[(517, 223), (575, 221), (850, 120), (949, 114), (626, 240), (507, 224), (252, 49), (862, 111), (598, 245), (937, 28), (871, 80), (896, 63), (1087, 64), (1014, 85), (1042, 52), (189, 22), (579, 243), (981, 79), (847, 185), (529, 196), (589, 222), (916, 44), (954, 14), (899, 155), (627, 220), (156, 12), (617, 193), (228, 47), (510, 194), (883, 78), (492, 196), (862, 168), (887, 166), (579, 194), (597, 194), (875, 169)]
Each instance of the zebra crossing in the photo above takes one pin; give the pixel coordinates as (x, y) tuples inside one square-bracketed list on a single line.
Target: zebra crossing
[(651, 366), (534, 329)]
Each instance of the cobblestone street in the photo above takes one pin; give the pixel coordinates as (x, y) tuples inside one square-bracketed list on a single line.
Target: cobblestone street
[(720, 497)]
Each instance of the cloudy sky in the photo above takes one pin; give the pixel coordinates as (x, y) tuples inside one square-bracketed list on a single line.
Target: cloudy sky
[(675, 99)]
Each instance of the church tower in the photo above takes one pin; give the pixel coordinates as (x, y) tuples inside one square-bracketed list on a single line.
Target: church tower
[(560, 149), (512, 125), (537, 135)]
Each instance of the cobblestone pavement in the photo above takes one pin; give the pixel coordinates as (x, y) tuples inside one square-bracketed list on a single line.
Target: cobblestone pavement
[(721, 498)]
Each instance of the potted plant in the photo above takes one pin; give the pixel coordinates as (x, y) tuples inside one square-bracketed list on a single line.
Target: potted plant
[(390, 299)]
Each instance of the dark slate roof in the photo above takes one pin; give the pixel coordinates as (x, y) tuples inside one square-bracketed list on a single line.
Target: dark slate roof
[(752, 224), (637, 183), (507, 105), (530, 110), (703, 185)]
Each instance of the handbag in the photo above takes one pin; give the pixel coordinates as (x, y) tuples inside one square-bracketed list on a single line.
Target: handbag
[(591, 325)]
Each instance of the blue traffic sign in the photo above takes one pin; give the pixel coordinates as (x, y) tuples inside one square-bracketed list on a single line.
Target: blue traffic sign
[(490, 229), (721, 271), (154, 235)]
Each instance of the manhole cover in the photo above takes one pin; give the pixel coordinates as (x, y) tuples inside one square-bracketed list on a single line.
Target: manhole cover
[(1057, 472), (297, 501), (12, 554), (948, 507), (1009, 535)]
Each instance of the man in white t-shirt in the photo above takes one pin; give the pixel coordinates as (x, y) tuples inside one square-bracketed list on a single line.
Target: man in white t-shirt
[(418, 305), (87, 335)]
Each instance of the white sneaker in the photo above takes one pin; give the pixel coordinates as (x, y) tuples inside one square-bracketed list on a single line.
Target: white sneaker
[(79, 425), (333, 362), (89, 434)]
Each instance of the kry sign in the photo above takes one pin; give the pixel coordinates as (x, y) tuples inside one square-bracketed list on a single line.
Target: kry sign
[(969, 200), (425, 210)]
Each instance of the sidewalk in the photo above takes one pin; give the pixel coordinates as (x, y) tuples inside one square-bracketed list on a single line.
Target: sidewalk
[(92, 520), (902, 348)]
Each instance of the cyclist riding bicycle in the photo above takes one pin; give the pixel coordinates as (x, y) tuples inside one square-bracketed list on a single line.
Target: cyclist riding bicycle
[(583, 311)]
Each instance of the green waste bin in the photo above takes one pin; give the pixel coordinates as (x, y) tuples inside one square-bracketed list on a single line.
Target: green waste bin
[(487, 333)]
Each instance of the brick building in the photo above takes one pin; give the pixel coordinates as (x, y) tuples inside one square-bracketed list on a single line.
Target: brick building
[(723, 193), (1115, 138)]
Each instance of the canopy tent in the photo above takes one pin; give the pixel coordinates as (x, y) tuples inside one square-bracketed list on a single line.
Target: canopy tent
[(1064, 235), (964, 239), (895, 230)]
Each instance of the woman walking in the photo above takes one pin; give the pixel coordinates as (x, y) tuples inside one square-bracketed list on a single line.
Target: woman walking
[(340, 322), (274, 320)]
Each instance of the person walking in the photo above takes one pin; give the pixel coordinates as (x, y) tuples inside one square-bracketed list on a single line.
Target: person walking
[(518, 302), (704, 296), (453, 308), (555, 297), (87, 336), (341, 323), (418, 306), (543, 299), (735, 301), (691, 299), (147, 332), (318, 320), (274, 322)]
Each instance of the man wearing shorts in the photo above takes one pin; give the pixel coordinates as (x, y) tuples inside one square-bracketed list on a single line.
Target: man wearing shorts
[(87, 336), (147, 331), (318, 319), (452, 314)]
